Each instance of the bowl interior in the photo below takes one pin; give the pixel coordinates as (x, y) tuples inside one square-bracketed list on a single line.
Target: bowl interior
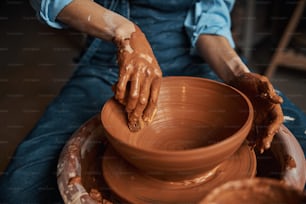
[(192, 113)]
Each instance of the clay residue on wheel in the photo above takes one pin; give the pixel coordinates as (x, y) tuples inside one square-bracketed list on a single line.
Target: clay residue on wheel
[(96, 195), (75, 180), (289, 162)]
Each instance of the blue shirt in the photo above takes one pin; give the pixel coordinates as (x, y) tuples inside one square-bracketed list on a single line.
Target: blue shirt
[(204, 17)]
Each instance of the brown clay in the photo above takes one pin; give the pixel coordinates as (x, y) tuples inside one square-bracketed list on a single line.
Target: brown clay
[(255, 191), (289, 154), (268, 115), (88, 144), (146, 189), (78, 165), (289, 162), (199, 124), (139, 79), (96, 195)]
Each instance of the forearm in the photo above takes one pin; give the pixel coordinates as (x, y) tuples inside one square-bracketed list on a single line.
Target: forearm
[(95, 20), (223, 59)]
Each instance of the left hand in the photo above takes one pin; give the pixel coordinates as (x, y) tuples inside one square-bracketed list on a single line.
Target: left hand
[(268, 115), (139, 79)]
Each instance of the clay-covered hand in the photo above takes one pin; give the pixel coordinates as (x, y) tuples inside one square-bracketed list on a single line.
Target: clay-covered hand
[(268, 115), (139, 79)]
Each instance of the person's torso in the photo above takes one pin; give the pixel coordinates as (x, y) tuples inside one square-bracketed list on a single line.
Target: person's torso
[(162, 21)]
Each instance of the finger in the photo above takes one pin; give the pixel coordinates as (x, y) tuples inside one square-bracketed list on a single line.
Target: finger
[(133, 96), (114, 88), (275, 98), (143, 99), (121, 87), (276, 119), (268, 91), (151, 108)]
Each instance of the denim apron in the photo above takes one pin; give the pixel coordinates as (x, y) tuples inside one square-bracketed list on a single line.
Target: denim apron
[(31, 174)]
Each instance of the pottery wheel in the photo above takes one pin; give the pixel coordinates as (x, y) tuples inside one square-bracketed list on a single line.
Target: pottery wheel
[(133, 186), (82, 156)]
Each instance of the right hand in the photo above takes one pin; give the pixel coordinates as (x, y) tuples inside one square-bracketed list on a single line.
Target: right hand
[(139, 79), (268, 115)]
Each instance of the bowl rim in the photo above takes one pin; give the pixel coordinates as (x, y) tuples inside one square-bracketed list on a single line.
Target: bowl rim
[(252, 184), (196, 151)]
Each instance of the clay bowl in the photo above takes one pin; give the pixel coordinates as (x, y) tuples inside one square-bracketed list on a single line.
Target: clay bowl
[(255, 191), (199, 124), (79, 172)]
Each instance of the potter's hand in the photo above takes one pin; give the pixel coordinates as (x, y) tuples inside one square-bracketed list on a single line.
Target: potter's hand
[(139, 79), (268, 115)]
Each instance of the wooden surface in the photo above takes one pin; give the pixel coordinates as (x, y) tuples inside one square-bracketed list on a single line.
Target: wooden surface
[(284, 56)]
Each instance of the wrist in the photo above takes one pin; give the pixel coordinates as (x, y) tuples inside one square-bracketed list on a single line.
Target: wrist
[(124, 31), (236, 68)]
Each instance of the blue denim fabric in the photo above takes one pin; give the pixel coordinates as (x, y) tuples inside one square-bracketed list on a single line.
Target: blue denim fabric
[(47, 10), (210, 17), (203, 17), (31, 174), (295, 121)]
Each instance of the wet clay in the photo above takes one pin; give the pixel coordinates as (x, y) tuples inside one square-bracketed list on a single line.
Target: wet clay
[(83, 154), (146, 189), (290, 155), (268, 115), (255, 191), (199, 124), (78, 180), (139, 79)]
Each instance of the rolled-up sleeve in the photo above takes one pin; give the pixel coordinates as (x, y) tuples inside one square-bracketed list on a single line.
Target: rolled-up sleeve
[(209, 17), (47, 11)]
